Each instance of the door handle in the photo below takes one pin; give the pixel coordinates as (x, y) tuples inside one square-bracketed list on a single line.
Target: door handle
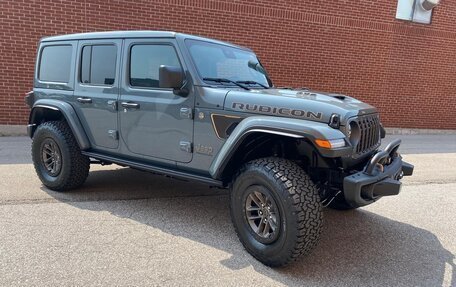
[(130, 105), (84, 100)]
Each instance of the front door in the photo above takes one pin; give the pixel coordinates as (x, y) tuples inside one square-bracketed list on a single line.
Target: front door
[(97, 89), (154, 122)]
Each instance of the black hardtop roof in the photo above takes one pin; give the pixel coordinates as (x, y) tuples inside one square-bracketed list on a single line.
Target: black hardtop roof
[(131, 34)]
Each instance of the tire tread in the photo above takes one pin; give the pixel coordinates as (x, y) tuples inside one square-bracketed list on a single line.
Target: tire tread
[(303, 194), (79, 164)]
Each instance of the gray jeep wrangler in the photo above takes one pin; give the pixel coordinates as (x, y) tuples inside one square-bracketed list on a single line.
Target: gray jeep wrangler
[(207, 111)]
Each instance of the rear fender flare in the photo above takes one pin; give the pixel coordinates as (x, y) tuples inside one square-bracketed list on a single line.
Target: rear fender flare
[(41, 106)]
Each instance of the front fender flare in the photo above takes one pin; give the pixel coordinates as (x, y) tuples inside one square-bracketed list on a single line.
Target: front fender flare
[(294, 128), (68, 113)]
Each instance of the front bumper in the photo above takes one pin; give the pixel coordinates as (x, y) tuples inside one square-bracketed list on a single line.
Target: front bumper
[(380, 177)]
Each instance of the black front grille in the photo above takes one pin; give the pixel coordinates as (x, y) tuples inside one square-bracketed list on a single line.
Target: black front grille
[(369, 133)]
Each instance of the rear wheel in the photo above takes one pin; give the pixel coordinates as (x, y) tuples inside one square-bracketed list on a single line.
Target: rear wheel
[(276, 210), (57, 158)]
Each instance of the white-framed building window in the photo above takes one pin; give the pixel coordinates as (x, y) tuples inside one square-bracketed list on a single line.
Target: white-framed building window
[(419, 11)]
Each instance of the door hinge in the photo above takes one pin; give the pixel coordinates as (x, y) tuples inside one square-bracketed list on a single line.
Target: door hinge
[(186, 113), (186, 146), (113, 134), (113, 104)]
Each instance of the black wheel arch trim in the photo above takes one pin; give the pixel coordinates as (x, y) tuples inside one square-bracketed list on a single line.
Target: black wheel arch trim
[(294, 128), (68, 113)]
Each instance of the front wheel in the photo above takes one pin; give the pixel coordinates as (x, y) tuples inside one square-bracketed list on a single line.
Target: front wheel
[(276, 210)]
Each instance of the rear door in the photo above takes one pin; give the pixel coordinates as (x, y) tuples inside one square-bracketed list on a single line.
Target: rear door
[(97, 89), (154, 122)]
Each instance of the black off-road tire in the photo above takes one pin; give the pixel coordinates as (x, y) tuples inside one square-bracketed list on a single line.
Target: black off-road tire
[(74, 167), (298, 204), (339, 203)]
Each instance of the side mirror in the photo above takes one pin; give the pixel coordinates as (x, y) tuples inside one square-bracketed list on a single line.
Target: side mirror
[(258, 67), (170, 77)]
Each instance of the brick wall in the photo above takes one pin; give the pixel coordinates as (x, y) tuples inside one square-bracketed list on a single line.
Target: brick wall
[(358, 47)]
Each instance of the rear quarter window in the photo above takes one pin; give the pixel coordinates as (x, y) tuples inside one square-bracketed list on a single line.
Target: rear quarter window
[(55, 64)]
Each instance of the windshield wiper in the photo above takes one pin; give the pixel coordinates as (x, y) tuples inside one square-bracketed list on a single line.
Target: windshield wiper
[(252, 83), (223, 80)]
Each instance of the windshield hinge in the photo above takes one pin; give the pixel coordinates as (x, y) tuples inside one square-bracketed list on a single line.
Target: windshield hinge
[(186, 113), (186, 146)]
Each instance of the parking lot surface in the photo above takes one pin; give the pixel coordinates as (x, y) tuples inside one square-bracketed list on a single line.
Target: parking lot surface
[(128, 227)]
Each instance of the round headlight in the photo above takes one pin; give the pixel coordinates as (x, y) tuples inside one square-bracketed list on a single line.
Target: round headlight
[(353, 132), (349, 131)]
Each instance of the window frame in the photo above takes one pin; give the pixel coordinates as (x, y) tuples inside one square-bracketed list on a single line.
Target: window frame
[(40, 58), (128, 74), (417, 13), (81, 51)]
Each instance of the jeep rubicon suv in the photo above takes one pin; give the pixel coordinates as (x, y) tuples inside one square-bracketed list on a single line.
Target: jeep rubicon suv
[(207, 111)]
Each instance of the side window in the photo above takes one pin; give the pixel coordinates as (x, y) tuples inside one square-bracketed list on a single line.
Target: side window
[(145, 61), (98, 64), (55, 64)]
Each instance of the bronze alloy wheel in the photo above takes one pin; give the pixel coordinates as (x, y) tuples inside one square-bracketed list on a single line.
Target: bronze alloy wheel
[(262, 215), (51, 157)]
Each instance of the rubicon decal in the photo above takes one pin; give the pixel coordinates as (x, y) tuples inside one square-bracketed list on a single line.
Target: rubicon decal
[(262, 109)]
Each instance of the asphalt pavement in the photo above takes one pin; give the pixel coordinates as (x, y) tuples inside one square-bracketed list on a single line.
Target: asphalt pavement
[(128, 227)]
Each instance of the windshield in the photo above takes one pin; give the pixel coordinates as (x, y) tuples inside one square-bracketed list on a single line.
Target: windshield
[(223, 62)]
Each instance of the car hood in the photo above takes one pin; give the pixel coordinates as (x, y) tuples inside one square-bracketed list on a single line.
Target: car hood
[(303, 104)]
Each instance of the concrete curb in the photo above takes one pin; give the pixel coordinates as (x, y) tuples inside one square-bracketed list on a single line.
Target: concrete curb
[(406, 131), (21, 130), (13, 130)]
